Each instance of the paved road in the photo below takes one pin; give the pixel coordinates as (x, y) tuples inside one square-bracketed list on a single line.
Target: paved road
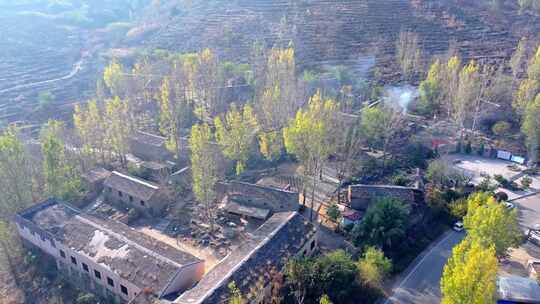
[(420, 282)]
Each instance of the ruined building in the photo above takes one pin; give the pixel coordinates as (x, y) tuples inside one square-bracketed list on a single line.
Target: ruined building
[(107, 257)]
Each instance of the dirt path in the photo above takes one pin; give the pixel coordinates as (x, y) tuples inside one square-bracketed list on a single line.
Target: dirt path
[(74, 71)]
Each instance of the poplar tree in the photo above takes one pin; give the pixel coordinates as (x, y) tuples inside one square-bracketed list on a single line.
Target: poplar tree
[(114, 79), (531, 129), (276, 100), (309, 138), (235, 134), (467, 93), (118, 127), (430, 90), (90, 127), (204, 169), (16, 182), (489, 223), (529, 87), (470, 275), (60, 180)]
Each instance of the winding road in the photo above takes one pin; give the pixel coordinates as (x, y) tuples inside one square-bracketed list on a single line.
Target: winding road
[(420, 282)]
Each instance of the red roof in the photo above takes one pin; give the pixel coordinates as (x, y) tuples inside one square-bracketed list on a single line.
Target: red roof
[(351, 215)]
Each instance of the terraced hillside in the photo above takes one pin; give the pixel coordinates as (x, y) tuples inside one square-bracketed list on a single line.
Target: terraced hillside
[(41, 54), (329, 31)]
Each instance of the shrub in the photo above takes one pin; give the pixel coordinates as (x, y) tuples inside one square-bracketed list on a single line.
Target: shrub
[(333, 212), (468, 147), (481, 149), (400, 180), (501, 128), (501, 196), (526, 182)]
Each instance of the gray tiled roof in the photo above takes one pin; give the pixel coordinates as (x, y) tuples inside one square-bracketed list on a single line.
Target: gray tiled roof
[(131, 185), (147, 138)]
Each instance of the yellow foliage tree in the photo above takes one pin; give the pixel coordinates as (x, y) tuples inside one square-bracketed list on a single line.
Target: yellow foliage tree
[(469, 276), (235, 134)]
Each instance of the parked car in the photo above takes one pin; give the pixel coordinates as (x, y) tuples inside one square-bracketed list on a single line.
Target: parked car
[(458, 226), (533, 236), (509, 205), (457, 161)]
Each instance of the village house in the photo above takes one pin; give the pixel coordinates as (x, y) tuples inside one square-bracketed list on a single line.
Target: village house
[(107, 257), (130, 191), (149, 147), (256, 201)]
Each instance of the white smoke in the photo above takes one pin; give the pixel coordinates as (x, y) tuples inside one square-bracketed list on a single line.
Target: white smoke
[(401, 96)]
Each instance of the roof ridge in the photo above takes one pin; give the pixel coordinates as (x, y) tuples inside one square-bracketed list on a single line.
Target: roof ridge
[(137, 180)]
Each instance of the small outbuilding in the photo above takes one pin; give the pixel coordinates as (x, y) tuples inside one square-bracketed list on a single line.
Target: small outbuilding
[(514, 289), (134, 192)]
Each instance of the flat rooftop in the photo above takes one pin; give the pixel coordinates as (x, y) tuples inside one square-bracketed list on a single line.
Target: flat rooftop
[(135, 257)]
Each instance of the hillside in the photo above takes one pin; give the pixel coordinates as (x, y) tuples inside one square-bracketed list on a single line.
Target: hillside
[(59, 50)]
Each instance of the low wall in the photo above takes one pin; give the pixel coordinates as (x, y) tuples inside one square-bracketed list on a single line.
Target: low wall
[(260, 196), (362, 196)]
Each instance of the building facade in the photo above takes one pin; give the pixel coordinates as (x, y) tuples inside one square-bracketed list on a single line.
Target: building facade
[(106, 257), (137, 193)]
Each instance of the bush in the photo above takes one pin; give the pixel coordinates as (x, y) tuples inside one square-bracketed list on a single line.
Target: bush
[(526, 182), (400, 180), (468, 147), (333, 213), (501, 128), (501, 196), (133, 215), (481, 149)]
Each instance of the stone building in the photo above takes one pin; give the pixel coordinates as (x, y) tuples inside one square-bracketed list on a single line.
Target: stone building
[(107, 257), (360, 197), (93, 179), (149, 147), (251, 266), (134, 192), (256, 201)]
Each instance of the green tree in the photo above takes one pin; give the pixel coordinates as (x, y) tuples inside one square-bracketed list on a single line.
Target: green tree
[(17, 184), (531, 129), (299, 274), (374, 267), (235, 296), (309, 138), (59, 178), (333, 212), (118, 127), (467, 94), (175, 108), (529, 87), (335, 274), (378, 125), (470, 275), (501, 128), (490, 223), (431, 90), (90, 126), (204, 169), (384, 225), (236, 133), (325, 300), (114, 79)]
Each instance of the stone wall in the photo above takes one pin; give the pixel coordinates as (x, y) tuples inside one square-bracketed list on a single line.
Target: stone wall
[(362, 196), (260, 196)]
